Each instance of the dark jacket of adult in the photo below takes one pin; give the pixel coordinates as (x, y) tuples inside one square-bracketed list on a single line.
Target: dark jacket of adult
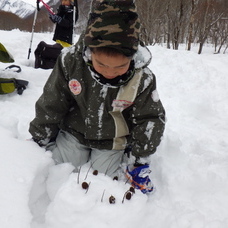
[(64, 28)]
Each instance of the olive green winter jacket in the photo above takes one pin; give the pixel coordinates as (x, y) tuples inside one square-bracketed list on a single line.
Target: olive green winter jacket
[(100, 116)]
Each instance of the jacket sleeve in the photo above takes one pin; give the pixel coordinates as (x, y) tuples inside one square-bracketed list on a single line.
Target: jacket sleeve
[(67, 18), (148, 119), (51, 107)]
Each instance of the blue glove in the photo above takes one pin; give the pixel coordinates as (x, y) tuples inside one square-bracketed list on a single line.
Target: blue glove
[(139, 178), (55, 18)]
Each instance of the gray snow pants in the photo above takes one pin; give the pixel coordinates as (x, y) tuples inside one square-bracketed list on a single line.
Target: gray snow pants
[(68, 149)]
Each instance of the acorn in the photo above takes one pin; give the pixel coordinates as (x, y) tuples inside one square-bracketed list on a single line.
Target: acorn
[(112, 200), (132, 189), (95, 172), (85, 185), (115, 178), (128, 195)]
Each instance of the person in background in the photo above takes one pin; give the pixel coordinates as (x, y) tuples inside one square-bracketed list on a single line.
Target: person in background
[(101, 101), (63, 34), (46, 54)]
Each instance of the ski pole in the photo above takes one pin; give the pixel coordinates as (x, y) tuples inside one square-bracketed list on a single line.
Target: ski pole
[(33, 27), (47, 7), (75, 17)]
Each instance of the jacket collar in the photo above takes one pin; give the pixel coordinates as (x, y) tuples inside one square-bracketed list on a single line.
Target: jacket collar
[(141, 59)]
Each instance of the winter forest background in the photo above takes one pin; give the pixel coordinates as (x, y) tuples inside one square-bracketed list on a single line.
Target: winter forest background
[(169, 22)]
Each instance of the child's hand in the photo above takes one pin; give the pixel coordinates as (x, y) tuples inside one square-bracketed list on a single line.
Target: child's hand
[(139, 177)]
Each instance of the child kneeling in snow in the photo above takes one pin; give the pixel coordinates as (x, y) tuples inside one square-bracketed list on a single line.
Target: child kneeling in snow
[(100, 99)]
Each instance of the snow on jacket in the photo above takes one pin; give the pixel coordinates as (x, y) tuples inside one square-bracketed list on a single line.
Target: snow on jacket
[(100, 116)]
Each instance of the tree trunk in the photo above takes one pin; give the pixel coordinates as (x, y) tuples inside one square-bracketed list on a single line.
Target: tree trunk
[(200, 48), (190, 31)]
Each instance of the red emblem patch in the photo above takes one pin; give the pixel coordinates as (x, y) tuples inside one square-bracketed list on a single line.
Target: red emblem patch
[(75, 86)]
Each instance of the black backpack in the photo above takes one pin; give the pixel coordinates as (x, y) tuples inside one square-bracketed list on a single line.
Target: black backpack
[(46, 55)]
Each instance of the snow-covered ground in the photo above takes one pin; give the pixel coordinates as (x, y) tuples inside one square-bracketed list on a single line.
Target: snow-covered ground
[(189, 170)]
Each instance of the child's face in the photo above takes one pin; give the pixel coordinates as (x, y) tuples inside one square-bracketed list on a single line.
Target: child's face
[(65, 2), (110, 66)]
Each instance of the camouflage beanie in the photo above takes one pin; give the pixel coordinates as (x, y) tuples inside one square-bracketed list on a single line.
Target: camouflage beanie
[(115, 24)]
